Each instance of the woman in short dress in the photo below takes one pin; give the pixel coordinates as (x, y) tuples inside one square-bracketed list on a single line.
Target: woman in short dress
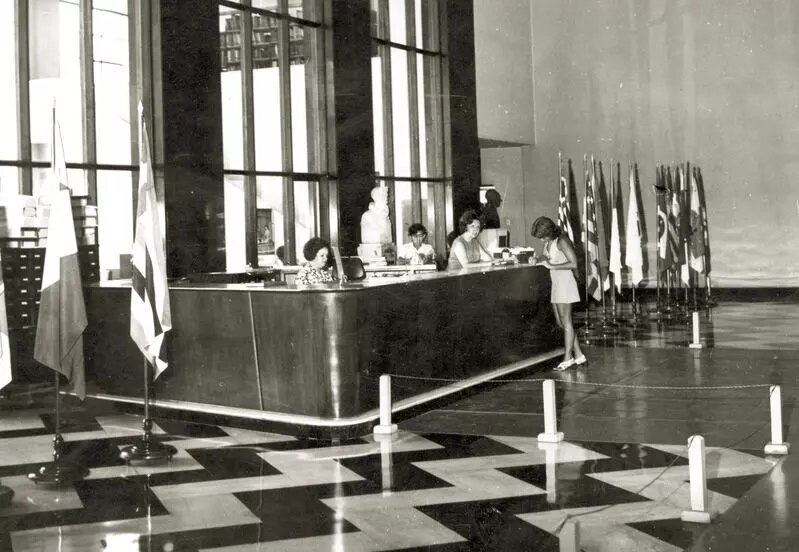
[(559, 257)]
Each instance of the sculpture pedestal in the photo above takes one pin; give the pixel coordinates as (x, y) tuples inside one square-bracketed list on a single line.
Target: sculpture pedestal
[(377, 253)]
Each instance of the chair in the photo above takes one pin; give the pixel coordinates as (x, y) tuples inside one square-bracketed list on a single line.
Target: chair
[(353, 268)]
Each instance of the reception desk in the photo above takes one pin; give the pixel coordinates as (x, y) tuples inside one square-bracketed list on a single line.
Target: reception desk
[(313, 356)]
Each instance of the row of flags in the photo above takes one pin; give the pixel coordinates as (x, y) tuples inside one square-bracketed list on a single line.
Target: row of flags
[(609, 246), (62, 311)]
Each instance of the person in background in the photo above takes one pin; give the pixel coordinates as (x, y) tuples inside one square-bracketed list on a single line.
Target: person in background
[(559, 257), (466, 250), (416, 251), (316, 271), (490, 216)]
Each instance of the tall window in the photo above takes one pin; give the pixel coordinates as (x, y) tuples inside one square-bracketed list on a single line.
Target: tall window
[(274, 132), (72, 55), (407, 72)]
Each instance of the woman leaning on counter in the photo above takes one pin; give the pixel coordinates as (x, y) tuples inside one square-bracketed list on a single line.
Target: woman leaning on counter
[(466, 250)]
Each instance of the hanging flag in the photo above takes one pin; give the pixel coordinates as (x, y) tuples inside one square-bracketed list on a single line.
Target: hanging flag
[(673, 206), (5, 350), (696, 238), (700, 186), (564, 213), (592, 270), (62, 311), (615, 262), (602, 229), (150, 316), (634, 253)]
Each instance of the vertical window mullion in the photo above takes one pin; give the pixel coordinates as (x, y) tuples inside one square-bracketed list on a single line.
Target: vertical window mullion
[(413, 111), (284, 68), (23, 96), (248, 137), (89, 117)]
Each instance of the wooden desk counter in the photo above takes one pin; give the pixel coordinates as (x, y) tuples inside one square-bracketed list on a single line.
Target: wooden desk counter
[(313, 355)]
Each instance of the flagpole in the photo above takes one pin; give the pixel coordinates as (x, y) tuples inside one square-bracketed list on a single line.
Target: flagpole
[(634, 319), (657, 312), (587, 327), (59, 471), (608, 327)]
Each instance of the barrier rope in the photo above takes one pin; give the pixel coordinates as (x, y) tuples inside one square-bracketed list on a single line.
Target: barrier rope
[(594, 384)]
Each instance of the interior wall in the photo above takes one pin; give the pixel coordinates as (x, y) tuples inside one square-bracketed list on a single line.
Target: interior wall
[(658, 81)]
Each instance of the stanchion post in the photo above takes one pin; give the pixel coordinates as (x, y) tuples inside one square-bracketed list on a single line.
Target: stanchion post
[(776, 446), (551, 433), (569, 537), (385, 427), (698, 482), (696, 343)]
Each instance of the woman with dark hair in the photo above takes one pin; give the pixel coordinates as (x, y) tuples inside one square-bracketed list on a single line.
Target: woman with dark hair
[(316, 251), (559, 257), (465, 248)]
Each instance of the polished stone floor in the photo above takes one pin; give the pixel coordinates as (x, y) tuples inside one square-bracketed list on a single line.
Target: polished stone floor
[(467, 475)]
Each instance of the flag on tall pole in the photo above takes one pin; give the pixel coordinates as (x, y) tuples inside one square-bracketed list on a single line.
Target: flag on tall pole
[(615, 262), (5, 350), (150, 315), (564, 212), (700, 186), (634, 254), (601, 226), (593, 273), (62, 311)]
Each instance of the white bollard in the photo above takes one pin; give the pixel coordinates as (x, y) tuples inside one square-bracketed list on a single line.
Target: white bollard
[(698, 481), (551, 433), (696, 343), (569, 537), (776, 446), (385, 427)]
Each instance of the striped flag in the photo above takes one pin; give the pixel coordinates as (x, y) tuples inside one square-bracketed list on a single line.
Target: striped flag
[(591, 241), (62, 311), (150, 316), (634, 255), (5, 350), (696, 238), (564, 212), (700, 186), (616, 254)]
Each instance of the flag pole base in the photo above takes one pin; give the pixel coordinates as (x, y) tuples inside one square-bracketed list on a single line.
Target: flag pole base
[(147, 452), (59, 473), (6, 494)]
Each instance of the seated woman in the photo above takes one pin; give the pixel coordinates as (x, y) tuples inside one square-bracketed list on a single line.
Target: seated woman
[(316, 251), (559, 258), (466, 250), (416, 251)]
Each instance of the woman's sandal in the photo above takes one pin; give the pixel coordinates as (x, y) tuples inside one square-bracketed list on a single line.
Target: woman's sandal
[(580, 360), (564, 365)]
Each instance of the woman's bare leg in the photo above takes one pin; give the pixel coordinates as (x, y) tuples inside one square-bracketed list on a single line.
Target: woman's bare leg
[(565, 316), (557, 315)]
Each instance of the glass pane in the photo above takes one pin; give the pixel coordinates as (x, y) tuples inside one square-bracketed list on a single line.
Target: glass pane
[(418, 14), (232, 103), (111, 81), (269, 216), (266, 91), (115, 219), (399, 110), (306, 98), (306, 9), (54, 44), (429, 212), (430, 110), (377, 111), (271, 5), (43, 178), (374, 19), (402, 193), (398, 33), (235, 253), (8, 89), (306, 213), (422, 122), (9, 180)]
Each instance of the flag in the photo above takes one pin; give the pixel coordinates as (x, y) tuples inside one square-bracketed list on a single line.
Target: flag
[(150, 316), (696, 237), (667, 240), (700, 186), (677, 216), (592, 270), (564, 212), (601, 228), (5, 350), (615, 262), (62, 311), (634, 254)]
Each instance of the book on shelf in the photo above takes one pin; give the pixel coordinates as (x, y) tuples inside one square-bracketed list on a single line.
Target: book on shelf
[(79, 200), (19, 242), (87, 240), (85, 220), (84, 210)]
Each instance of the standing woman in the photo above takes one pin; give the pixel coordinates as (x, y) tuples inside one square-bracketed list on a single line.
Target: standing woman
[(559, 257)]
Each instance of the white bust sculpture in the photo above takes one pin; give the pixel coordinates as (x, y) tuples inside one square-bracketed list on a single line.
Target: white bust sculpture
[(375, 223)]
